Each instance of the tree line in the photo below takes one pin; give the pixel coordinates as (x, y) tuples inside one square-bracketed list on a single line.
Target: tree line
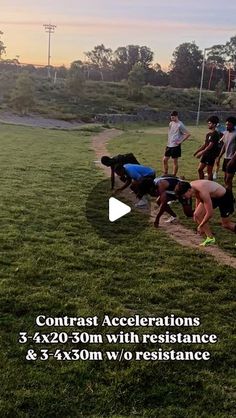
[(132, 65), (136, 62)]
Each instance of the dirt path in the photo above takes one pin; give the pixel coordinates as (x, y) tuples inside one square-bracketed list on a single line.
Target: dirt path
[(37, 121), (178, 232)]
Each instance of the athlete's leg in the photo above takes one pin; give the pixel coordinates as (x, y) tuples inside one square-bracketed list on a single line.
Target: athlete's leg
[(228, 224), (175, 166), (165, 164), (210, 172), (229, 181), (201, 171)]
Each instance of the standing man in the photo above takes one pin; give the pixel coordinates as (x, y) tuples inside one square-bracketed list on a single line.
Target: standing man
[(176, 135), (209, 195), (229, 149), (209, 150)]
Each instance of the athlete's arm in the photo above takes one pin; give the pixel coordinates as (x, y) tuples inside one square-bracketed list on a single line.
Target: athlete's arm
[(163, 199), (112, 178), (206, 200), (208, 148), (127, 183), (199, 149), (221, 152)]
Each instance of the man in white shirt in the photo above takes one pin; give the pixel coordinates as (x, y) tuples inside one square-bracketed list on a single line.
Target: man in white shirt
[(176, 135), (229, 149)]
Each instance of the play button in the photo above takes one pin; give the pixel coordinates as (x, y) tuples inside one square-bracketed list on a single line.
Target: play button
[(117, 209), (106, 214)]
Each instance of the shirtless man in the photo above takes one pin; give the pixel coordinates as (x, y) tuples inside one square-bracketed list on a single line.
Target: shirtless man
[(209, 195)]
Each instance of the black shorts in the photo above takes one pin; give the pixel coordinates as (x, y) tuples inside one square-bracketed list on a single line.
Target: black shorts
[(173, 152), (144, 186), (231, 170), (224, 203), (225, 162), (208, 160)]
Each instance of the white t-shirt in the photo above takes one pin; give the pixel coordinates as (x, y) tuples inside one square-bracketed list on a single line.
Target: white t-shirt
[(229, 139), (176, 133)]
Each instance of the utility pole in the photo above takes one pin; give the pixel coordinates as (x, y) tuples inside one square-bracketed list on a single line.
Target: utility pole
[(49, 29), (201, 84)]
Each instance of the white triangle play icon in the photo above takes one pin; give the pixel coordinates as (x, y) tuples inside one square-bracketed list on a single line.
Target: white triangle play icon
[(117, 209)]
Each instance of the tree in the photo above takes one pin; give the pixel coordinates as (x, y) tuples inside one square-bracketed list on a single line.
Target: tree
[(215, 66), (101, 57), (186, 66), (230, 51), (156, 77), (136, 81), (22, 97), (125, 57), (2, 46), (76, 80)]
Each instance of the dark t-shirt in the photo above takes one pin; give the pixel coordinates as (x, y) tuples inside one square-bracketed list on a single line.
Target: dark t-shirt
[(118, 161), (212, 137), (121, 159)]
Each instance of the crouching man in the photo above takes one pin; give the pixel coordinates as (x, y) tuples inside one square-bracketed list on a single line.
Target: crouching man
[(116, 162), (134, 174), (164, 189), (209, 195)]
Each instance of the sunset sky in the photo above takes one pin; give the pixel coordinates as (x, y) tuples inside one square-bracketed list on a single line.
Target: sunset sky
[(81, 24)]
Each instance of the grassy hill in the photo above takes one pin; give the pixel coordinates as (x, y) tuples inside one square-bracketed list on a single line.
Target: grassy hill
[(53, 100)]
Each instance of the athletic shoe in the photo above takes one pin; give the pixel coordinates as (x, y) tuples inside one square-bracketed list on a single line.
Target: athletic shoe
[(171, 220), (215, 176), (208, 241), (142, 203)]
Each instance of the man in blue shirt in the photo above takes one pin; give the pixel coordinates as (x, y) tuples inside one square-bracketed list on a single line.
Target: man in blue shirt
[(134, 175)]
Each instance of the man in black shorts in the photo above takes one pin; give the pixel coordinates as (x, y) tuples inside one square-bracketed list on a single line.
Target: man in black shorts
[(209, 150), (177, 134), (209, 195), (231, 167), (116, 163)]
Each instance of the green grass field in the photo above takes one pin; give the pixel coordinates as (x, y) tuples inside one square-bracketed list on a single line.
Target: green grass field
[(148, 143), (53, 263)]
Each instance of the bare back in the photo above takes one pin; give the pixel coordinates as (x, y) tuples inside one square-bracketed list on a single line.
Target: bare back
[(203, 188)]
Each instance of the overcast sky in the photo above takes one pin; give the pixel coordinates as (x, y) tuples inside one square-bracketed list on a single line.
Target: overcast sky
[(161, 25)]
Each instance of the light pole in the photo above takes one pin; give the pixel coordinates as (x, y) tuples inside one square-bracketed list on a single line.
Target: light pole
[(201, 84), (49, 29)]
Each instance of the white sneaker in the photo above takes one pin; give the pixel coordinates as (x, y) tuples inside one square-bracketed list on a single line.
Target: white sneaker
[(142, 203), (171, 220), (215, 176)]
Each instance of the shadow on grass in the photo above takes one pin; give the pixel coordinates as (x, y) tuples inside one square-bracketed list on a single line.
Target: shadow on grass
[(124, 229)]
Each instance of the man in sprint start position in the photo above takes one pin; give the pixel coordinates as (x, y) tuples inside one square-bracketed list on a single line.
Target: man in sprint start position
[(209, 195)]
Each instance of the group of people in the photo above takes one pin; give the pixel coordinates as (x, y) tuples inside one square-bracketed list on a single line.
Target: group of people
[(168, 187)]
